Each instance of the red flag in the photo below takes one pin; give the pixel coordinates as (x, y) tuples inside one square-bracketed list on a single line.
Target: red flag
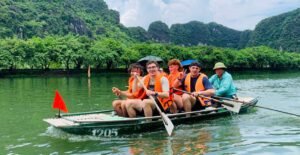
[(59, 103)]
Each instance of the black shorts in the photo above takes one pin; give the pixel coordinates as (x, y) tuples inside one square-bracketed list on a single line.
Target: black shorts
[(197, 106), (156, 113), (140, 113)]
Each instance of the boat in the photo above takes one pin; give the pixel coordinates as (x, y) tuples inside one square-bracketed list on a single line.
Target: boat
[(106, 124)]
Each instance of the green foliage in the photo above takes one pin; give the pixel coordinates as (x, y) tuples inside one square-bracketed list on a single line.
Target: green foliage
[(12, 53), (130, 56), (159, 32), (244, 38), (73, 34), (93, 19), (27, 19), (198, 33), (107, 53), (75, 52), (138, 33), (281, 32)]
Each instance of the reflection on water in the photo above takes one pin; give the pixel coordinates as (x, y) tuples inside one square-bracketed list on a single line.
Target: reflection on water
[(195, 143), (192, 142), (26, 101)]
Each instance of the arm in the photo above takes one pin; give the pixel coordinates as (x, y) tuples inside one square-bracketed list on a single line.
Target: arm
[(176, 83), (118, 92), (179, 80), (165, 87), (125, 93), (136, 84), (209, 90)]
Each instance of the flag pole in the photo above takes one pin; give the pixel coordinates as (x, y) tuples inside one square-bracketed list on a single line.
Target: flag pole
[(59, 113), (59, 104)]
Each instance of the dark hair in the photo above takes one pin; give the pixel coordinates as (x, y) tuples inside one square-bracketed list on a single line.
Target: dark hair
[(137, 66), (152, 62), (195, 64)]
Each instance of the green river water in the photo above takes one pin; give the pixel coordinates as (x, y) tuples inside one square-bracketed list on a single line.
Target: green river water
[(25, 101)]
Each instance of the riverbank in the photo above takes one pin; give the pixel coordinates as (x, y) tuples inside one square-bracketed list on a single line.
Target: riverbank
[(75, 72), (55, 72)]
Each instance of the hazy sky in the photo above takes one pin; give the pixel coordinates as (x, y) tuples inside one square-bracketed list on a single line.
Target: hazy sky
[(236, 14)]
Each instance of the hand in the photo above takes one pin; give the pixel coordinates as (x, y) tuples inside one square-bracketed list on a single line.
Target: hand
[(196, 94), (116, 90), (181, 75), (135, 74), (150, 92)]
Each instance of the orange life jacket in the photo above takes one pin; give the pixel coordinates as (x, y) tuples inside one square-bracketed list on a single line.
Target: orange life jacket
[(130, 84), (172, 78), (139, 93), (198, 87), (165, 102)]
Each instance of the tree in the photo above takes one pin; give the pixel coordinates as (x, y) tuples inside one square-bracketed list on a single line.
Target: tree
[(12, 53), (106, 51), (130, 56)]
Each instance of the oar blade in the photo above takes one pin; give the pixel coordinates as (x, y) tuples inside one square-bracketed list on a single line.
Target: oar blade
[(236, 106), (168, 123)]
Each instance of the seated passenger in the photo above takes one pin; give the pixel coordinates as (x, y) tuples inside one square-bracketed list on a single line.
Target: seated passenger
[(158, 87), (119, 105), (198, 84), (222, 82), (175, 69)]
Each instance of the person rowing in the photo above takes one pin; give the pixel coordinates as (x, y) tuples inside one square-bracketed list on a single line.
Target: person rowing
[(158, 86), (222, 81), (196, 83), (120, 105), (175, 69)]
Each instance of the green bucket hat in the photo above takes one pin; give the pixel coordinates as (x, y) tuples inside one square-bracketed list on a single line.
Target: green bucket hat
[(219, 65)]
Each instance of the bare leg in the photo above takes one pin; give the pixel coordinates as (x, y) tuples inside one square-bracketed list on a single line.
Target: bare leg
[(133, 105), (178, 101), (173, 108), (148, 107), (188, 102), (117, 107), (124, 110)]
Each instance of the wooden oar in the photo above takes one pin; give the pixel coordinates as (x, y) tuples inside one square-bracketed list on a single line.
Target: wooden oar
[(230, 105), (284, 112), (165, 119)]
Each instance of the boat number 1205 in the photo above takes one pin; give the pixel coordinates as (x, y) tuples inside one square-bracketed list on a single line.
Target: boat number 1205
[(105, 132)]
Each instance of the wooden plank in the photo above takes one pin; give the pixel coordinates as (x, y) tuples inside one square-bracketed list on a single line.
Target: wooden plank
[(71, 120), (60, 122), (95, 117)]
